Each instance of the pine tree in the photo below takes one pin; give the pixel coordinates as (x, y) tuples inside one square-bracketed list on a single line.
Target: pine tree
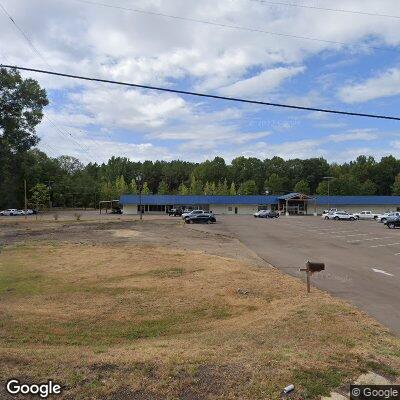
[(396, 186), (133, 187), (207, 188), (183, 190), (163, 188), (145, 188), (196, 186), (232, 190), (120, 186)]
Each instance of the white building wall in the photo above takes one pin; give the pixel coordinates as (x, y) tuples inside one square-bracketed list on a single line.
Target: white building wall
[(242, 209), (130, 209)]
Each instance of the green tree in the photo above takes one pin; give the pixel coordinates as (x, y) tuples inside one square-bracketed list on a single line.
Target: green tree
[(274, 184), (196, 186), (302, 187), (232, 189), (222, 188), (40, 195), (368, 188), (322, 188), (133, 187), (21, 110), (120, 186), (248, 188), (145, 188), (163, 188), (207, 189), (107, 191), (183, 189), (396, 186)]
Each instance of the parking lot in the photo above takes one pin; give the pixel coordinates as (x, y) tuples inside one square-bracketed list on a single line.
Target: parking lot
[(362, 258)]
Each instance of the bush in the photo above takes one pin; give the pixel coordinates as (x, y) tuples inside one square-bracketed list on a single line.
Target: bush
[(78, 216)]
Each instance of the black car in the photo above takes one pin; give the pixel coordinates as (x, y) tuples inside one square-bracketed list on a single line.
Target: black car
[(175, 212), (116, 210), (200, 218), (393, 223)]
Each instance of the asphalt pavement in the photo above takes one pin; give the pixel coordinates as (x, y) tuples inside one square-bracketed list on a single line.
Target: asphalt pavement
[(362, 258)]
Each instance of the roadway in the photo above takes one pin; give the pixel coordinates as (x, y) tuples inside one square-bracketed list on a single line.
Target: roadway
[(362, 258)]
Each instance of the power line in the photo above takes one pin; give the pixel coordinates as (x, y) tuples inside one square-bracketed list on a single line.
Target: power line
[(211, 96), (221, 25), (339, 10)]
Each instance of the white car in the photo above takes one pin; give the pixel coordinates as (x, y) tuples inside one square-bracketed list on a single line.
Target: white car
[(10, 212), (366, 215), (191, 213), (330, 211), (384, 217), (340, 215)]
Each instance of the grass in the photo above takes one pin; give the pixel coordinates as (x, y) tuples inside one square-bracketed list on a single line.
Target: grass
[(135, 321)]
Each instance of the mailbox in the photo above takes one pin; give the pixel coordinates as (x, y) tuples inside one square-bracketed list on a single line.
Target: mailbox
[(315, 267)]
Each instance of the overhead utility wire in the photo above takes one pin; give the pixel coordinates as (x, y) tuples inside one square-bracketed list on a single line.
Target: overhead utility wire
[(221, 25), (339, 10), (211, 96), (40, 55)]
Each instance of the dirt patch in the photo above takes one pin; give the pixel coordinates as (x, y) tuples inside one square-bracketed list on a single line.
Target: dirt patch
[(132, 317)]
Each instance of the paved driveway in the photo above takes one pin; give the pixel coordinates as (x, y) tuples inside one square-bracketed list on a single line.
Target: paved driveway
[(362, 257)]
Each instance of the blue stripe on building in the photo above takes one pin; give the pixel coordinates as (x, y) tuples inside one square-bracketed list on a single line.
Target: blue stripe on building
[(260, 199)]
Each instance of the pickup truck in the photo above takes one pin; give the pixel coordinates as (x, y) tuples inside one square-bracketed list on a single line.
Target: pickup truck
[(366, 215)]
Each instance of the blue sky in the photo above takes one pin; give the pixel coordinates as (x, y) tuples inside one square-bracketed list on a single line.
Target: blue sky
[(98, 121)]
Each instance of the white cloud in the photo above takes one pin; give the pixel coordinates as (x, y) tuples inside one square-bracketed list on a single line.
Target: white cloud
[(353, 136), (383, 85), (262, 83), (106, 43)]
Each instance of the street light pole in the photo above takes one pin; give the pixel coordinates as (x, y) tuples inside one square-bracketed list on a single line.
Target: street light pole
[(139, 184), (328, 178)]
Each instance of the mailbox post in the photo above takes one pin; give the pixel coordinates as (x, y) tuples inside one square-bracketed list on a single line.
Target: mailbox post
[(310, 268)]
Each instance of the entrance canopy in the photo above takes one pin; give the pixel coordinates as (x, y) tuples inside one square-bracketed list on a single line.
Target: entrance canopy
[(296, 203)]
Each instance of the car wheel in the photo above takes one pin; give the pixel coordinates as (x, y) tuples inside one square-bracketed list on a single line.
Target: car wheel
[(336, 218), (376, 217), (357, 217), (351, 219), (391, 225), (326, 218)]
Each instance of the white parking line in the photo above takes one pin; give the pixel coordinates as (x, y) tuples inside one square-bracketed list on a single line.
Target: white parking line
[(383, 245), (380, 271), (369, 239)]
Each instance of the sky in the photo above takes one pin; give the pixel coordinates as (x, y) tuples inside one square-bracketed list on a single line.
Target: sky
[(354, 66)]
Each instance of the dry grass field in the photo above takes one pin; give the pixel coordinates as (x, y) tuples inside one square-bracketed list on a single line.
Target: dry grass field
[(133, 319)]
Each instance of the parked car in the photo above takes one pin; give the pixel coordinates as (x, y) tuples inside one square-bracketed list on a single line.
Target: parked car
[(387, 216), (11, 212), (29, 211), (331, 210), (175, 212), (205, 218), (191, 213), (340, 215), (393, 223), (266, 214), (366, 215), (116, 210)]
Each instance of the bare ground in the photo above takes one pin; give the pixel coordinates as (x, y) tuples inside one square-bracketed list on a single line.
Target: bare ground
[(154, 310)]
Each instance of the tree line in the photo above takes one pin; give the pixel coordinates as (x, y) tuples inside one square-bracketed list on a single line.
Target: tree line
[(66, 182)]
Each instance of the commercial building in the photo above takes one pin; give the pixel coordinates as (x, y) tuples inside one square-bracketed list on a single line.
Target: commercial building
[(292, 203)]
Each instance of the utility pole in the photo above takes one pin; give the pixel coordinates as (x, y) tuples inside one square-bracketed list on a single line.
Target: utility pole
[(25, 200)]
